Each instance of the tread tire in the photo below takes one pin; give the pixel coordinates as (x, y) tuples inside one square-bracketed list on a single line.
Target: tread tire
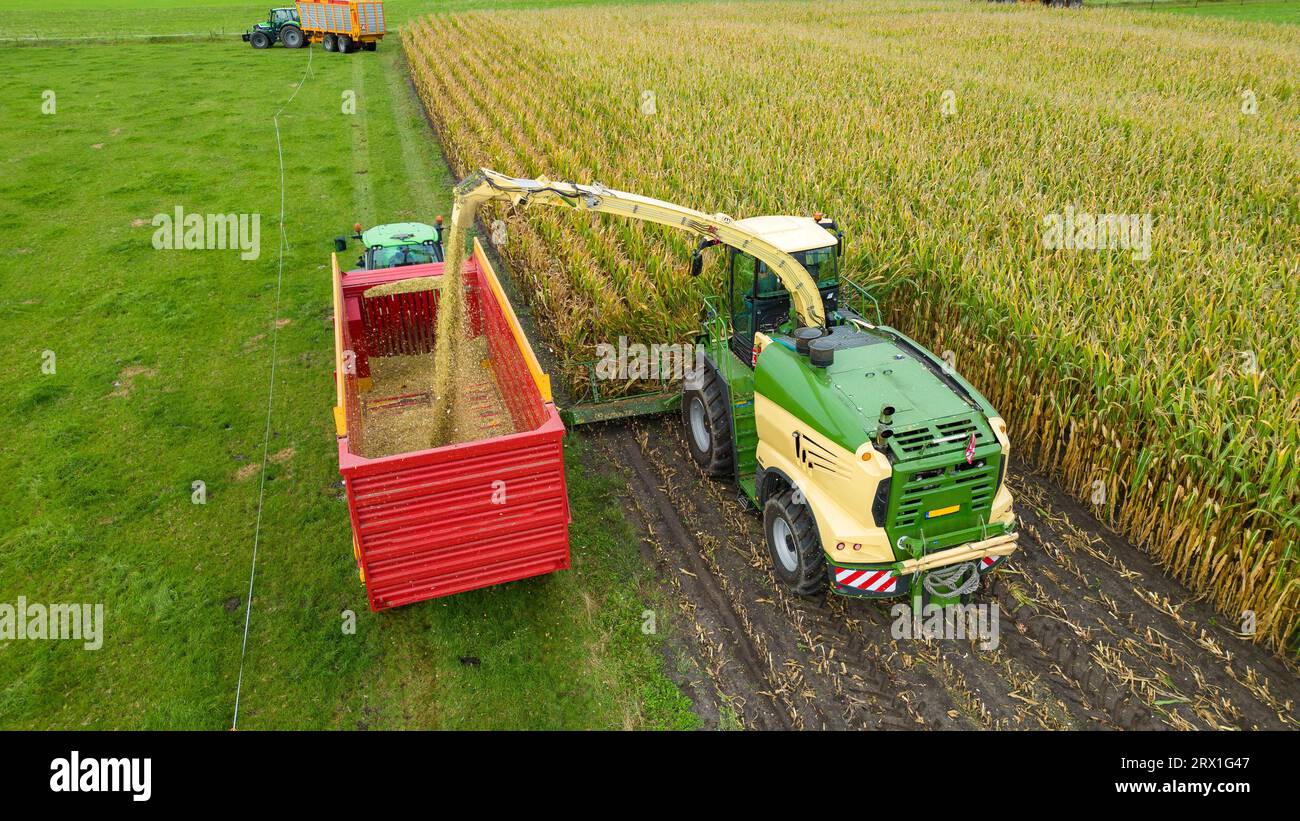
[(809, 577), (719, 459)]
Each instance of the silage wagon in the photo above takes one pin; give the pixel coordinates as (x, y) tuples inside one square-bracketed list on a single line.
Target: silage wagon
[(338, 25), (430, 522)]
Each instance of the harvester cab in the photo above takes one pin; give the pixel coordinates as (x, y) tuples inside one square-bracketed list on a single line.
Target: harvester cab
[(281, 25), (396, 245), (877, 468), (757, 301)]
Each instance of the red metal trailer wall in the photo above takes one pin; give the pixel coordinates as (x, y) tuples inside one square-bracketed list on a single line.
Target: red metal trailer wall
[(436, 522)]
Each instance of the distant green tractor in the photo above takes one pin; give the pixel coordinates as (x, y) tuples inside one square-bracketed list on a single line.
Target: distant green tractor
[(281, 25), (396, 245)]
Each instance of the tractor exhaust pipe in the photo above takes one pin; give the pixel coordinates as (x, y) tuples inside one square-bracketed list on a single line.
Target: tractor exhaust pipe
[(886, 415)]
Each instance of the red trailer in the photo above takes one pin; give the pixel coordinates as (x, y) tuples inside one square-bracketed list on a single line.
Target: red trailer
[(433, 522)]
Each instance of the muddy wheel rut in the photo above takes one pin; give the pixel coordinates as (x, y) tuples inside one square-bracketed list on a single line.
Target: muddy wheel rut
[(1092, 634)]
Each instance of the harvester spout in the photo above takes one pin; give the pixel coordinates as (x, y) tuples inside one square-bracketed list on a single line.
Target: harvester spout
[(486, 185)]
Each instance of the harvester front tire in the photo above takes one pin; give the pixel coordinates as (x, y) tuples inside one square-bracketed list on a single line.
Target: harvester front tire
[(794, 545), (329, 43), (292, 37), (708, 426), (259, 39), (345, 44)]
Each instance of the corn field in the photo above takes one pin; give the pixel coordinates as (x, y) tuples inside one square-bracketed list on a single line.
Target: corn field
[(942, 137)]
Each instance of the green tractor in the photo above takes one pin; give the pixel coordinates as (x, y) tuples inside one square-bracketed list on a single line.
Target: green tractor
[(396, 245), (282, 25)]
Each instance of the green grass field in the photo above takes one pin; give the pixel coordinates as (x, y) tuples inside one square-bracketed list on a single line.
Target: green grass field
[(163, 360), (1283, 11), (70, 19), (1251, 11)]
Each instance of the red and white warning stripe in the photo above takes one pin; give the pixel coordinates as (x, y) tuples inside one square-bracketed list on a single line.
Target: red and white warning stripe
[(988, 561), (871, 581)]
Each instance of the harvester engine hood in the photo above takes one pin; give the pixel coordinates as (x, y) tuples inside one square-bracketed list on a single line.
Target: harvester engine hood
[(933, 427)]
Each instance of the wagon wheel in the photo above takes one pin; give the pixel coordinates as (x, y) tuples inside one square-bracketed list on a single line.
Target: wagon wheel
[(329, 43), (344, 44)]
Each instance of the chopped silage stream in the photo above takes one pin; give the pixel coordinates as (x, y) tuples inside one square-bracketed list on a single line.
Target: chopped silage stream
[(448, 396)]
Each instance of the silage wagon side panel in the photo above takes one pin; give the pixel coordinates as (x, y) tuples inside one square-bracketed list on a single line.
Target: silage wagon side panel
[(359, 19), (456, 518)]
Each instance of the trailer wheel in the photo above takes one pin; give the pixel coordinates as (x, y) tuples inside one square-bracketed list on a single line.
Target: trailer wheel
[(374, 44), (328, 42), (259, 39), (708, 428), (345, 44), (794, 545), (291, 36)]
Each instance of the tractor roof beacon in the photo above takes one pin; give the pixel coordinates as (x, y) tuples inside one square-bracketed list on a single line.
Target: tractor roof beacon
[(878, 469), (396, 245)]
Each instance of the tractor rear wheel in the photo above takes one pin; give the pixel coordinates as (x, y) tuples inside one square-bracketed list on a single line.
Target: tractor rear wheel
[(291, 36), (259, 39), (328, 42), (794, 545), (708, 427), (345, 44)]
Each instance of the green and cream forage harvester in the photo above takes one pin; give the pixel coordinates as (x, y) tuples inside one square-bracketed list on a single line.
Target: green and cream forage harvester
[(877, 468)]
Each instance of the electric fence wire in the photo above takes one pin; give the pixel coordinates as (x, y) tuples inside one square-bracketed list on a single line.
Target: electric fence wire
[(270, 394)]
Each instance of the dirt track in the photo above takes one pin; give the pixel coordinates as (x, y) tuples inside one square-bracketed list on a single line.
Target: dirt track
[(1093, 635)]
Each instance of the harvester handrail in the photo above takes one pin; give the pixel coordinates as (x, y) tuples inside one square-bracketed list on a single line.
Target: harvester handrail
[(863, 294)]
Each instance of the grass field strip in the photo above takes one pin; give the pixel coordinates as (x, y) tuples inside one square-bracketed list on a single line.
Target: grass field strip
[(270, 392), (97, 39)]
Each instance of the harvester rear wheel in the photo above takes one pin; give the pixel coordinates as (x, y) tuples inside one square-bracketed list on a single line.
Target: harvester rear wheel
[(708, 428), (345, 44), (259, 39), (329, 42), (291, 36), (794, 545)]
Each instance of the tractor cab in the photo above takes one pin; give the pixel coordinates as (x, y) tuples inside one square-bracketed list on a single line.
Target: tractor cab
[(278, 17), (396, 245)]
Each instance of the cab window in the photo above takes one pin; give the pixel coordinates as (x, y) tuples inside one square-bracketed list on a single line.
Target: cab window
[(821, 263)]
